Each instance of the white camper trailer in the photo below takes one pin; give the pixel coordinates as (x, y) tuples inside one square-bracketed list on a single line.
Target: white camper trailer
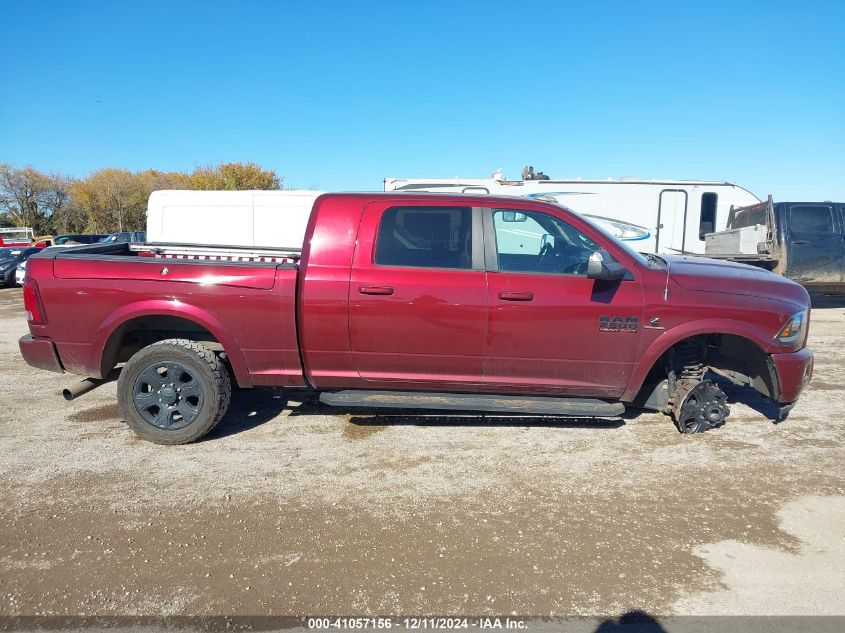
[(656, 216)]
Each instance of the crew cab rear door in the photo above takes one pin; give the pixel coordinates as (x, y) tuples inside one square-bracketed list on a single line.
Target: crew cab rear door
[(550, 328), (417, 295)]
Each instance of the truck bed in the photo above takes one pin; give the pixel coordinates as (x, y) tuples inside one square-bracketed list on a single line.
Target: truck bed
[(244, 300)]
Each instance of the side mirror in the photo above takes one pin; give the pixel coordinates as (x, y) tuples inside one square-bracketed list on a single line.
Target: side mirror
[(601, 265)]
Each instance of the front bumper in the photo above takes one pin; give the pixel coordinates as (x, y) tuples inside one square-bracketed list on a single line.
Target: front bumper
[(794, 371), (40, 352)]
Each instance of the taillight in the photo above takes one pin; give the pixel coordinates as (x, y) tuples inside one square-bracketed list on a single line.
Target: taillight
[(32, 303)]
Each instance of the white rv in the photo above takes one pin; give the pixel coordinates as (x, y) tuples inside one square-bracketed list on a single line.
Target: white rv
[(656, 216)]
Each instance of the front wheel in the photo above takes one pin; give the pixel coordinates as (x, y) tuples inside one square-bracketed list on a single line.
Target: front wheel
[(174, 391)]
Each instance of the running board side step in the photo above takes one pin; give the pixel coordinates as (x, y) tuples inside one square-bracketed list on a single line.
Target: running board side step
[(572, 407)]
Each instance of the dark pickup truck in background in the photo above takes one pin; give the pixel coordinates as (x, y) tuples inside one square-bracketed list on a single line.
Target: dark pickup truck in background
[(804, 241)]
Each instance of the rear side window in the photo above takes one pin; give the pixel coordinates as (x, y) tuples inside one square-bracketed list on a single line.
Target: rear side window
[(425, 237), (811, 219), (707, 221)]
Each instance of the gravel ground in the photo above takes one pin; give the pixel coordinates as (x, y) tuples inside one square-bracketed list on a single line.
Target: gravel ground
[(291, 507)]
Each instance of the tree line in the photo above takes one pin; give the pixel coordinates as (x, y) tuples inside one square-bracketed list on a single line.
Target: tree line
[(110, 199)]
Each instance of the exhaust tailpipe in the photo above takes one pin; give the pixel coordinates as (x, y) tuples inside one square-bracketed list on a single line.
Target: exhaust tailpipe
[(89, 384)]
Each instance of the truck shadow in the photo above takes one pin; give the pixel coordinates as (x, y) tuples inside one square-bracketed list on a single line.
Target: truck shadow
[(248, 409), (253, 407), (749, 397), (363, 418)]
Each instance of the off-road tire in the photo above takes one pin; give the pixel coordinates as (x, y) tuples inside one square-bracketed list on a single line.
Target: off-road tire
[(206, 368)]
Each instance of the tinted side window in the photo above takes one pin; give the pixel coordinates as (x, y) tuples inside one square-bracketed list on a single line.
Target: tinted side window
[(533, 242), (707, 221), (427, 237), (811, 219)]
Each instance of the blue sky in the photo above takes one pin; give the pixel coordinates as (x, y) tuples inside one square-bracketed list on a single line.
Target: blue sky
[(338, 95)]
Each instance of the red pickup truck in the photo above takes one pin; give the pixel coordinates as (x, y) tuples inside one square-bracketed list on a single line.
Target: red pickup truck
[(457, 302)]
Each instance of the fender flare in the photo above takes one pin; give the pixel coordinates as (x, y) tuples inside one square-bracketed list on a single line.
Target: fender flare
[(693, 328), (178, 309)]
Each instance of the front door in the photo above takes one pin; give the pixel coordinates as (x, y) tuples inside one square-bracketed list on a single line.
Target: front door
[(671, 221), (417, 297), (550, 328)]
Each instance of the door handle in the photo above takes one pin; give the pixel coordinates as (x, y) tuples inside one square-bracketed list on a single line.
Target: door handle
[(800, 242), (375, 290), (516, 296)]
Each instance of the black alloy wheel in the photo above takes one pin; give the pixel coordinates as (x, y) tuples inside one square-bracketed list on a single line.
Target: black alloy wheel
[(174, 391)]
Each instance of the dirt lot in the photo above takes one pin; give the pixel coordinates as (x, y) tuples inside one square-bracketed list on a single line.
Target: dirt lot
[(291, 508)]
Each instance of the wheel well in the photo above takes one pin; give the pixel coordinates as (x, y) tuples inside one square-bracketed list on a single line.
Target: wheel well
[(737, 358), (137, 333), (743, 362)]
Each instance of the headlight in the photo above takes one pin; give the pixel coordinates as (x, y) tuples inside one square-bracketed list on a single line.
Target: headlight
[(794, 329)]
